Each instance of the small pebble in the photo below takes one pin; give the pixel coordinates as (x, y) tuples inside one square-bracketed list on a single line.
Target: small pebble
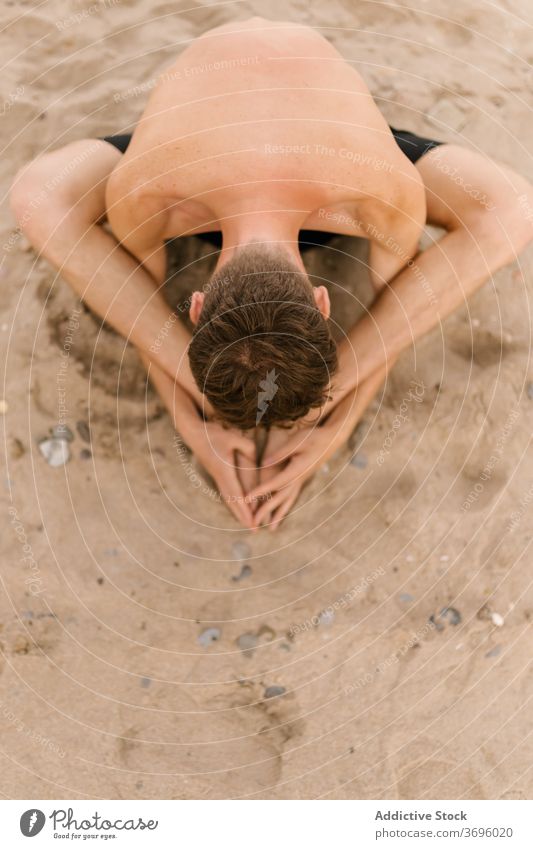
[(452, 614), (241, 550), (529, 390), (145, 682), (29, 614), (55, 451), (62, 432), (475, 322), (85, 454), (111, 552), (272, 692), (444, 558), (406, 597), (3, 407), (247, 643), (497, 619), (245, 572), (484, 613), (324, 470), (494, 652), (410, 558), (359, 461), (83, 430), (326, 617), (209, 636), (17, 448), (436, 623)]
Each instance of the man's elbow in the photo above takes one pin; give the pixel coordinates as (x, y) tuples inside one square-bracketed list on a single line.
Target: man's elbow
[(508, 222)]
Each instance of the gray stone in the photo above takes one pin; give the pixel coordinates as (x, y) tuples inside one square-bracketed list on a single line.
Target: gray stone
[(209, 636), (83, 430), (494, 652), (245, 572), (326, 617), (452, 615), (448, 615), (247, 643), (273, 691), (406, 597), (56, 452)]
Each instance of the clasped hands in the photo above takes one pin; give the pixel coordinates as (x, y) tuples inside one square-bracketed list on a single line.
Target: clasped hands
[(261, 490)]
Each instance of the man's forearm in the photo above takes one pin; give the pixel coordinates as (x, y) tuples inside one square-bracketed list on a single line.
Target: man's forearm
[(431, 288), (346, 415), (178, 402), (123, 293)]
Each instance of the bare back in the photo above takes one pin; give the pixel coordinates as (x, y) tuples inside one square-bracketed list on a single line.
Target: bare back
[(263, 115)]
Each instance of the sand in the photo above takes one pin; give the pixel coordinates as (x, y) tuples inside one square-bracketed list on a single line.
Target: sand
[(114, 565)]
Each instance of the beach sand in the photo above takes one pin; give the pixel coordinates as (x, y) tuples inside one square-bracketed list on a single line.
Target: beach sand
[(394, 605)]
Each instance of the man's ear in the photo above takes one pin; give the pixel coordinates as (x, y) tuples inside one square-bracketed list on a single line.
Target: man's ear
[(322, 300), (197, 302)]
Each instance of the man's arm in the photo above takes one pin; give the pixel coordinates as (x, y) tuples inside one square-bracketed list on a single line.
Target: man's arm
[(138, 221), (394, 228), (140, 311), (66, 228), (487, 228), (488, 211)]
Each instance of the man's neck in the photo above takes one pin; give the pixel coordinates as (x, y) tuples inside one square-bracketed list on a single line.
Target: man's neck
[(268, 231)]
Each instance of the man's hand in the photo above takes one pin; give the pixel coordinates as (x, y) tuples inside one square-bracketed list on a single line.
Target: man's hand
[(285, 469), (216, 447), (298, 455)]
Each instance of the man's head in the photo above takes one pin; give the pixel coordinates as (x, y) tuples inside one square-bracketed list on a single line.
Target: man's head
[(262, 350)]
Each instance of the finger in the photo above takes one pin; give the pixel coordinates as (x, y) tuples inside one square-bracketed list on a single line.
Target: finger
[(285, 477), (264, 511), (246, 447), (243, 509), (232, 496), (247, 473), (273, 458), (236, 506), (282, 511)]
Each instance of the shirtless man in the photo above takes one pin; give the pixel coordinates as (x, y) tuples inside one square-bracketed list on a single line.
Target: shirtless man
[(261, 130)]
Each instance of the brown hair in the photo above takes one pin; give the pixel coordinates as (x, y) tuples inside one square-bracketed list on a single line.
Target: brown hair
[(262, 351)]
